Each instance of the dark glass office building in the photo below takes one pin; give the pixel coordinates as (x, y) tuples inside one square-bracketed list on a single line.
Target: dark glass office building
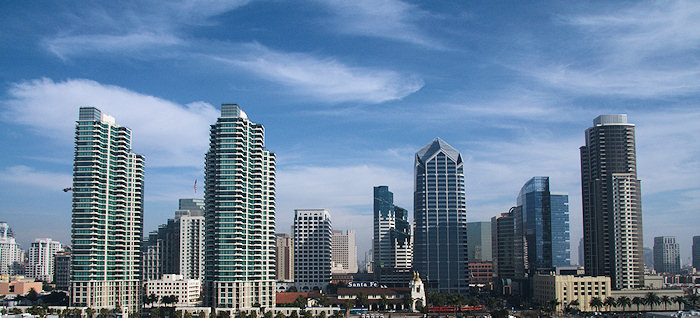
[(545, 221), (440, 236)]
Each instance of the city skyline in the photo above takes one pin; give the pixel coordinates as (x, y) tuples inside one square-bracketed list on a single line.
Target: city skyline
[(511, 87)]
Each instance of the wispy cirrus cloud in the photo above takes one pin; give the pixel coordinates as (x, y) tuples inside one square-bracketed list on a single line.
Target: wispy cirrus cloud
[(321, 77), (128, 29), (389, 19), (648, 50), (21, 174)]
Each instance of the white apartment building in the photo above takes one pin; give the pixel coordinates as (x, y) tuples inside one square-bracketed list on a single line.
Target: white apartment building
[(10, 253), (41, 259), (344, 252), (192, 246), (312, 232), (187, 290)]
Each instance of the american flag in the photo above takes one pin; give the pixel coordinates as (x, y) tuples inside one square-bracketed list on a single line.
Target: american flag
[(195, 185)]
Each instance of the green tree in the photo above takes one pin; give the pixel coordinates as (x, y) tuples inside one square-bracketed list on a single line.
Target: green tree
[(361, 300), (572, 307), (491, 302), (104, 312), (15, 311), (323, 301), (242, 314), (32, 296), (90, 312), (188, 314), (552, 305), (624, 301), (280, 315), (637, 301), (322, 315), (300, 302), (407, 301), (338, 314), (306, 314), (268, 314), (692, 298), (294, 314), (178, 314), (347, 305), (610, 302), (652, 299), (224, 314), (666, 301), (155, 312), (383, 302), (596, 302), (679, 300)]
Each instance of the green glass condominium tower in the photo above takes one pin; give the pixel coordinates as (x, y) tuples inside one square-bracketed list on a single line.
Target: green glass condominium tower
[(239, 200), (107, 218)]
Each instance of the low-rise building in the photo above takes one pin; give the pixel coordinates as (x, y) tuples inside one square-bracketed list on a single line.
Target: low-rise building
[(187, 291), (567, 288), (482, 273), (19, 285)]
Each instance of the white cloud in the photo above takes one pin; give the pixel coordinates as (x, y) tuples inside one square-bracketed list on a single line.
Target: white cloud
[(25, 175), (648, 50), (323, 78), (390, 19), (168, 134), (65, 46), (129, 29)]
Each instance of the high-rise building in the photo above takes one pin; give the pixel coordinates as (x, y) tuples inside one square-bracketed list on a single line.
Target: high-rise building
[(284, 254), (344, 252), (696, 253), (508, 246), (41, 259), (107, 220), (612, 205), (545, 225), (190, 220), (312, 232), (440, 215), (61, 272), (239, 200), (392, 244), (580, 252), (177, 247), (479, 247), (667, 255), (10, 253)]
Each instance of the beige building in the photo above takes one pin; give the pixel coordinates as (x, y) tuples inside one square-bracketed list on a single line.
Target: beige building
[(284, 254), (186, 290), (567, 288), (19, 285)]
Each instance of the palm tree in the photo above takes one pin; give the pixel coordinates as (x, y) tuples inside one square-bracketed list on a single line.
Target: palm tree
[(347, 305), (624, 301), (610, 302), (407, 301), (679, 300), (361, 300), (573, 305), (383, 302), (155, 312), (104, 312), (89, 312), (280, 315), (596, 302), (692, 299), (552, 305), (652, 299), (666, 301), (637, 301)]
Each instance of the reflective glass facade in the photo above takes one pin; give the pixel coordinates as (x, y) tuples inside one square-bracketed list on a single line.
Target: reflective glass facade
[(545, 222), (440, 244)]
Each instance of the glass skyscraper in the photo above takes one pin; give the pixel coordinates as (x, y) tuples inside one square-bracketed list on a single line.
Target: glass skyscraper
[(393, 252), (239, 201), (545, 222), (107, 218), (440, 244)]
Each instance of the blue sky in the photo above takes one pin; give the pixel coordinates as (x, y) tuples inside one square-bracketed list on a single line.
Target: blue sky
[(348, 91)]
